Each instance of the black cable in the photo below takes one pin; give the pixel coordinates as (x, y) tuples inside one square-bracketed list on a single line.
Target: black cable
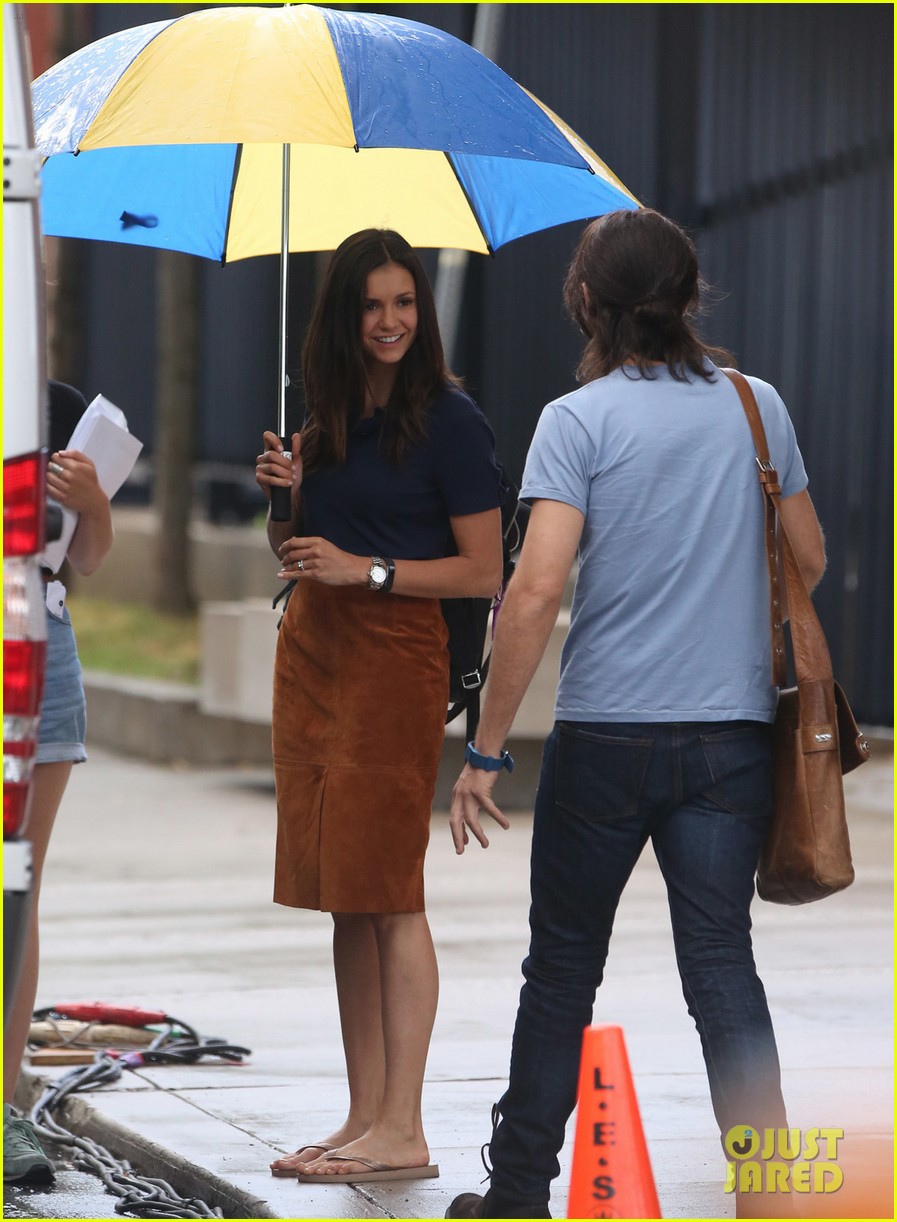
[(139, 1196)]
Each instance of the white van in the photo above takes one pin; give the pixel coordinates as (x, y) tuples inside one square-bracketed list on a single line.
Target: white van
[(24, 481)]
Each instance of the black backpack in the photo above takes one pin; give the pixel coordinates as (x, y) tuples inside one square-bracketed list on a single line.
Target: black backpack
[(468, 618)]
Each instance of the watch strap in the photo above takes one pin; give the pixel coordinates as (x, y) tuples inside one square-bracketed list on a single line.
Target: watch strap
[(488, 763)]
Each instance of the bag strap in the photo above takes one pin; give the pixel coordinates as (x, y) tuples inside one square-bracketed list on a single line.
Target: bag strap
[(811, 653)]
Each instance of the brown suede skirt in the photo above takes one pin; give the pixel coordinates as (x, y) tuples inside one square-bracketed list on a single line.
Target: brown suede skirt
[(360, 694)]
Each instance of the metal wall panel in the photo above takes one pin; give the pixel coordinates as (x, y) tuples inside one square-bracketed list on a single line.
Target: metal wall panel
[(595, 66), (795, 204)]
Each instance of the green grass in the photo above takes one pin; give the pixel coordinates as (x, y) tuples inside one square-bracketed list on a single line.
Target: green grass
[(132, 639)]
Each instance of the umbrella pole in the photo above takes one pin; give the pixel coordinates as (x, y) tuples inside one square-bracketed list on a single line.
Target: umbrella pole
[(281, 506)]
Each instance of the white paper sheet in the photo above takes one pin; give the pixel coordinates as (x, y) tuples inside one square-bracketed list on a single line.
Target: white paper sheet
[(102, 434)]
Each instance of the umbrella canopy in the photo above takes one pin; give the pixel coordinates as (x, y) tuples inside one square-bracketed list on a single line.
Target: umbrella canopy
[(180, 127)]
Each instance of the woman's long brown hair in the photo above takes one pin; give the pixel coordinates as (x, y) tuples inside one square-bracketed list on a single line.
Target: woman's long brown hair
[(333, 368)]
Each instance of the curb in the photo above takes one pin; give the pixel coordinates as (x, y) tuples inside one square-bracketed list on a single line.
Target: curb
[(146, 1157), (163, 723)]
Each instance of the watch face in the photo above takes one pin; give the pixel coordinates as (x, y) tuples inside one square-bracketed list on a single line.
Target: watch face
[(378, 574)]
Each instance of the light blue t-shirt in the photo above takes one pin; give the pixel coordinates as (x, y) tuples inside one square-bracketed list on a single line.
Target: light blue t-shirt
[(670, 616)]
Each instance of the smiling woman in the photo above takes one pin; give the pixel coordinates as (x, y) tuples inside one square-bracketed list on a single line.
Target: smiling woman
[(393, 469)]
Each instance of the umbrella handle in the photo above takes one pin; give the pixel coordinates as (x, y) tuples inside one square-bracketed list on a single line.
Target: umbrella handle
[(281, 506), (282, 498)]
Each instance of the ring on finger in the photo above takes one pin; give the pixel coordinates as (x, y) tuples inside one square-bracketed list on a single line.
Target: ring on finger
[(55, 468), (299, 565)]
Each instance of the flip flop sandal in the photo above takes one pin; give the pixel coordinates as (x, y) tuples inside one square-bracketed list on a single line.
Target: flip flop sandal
[(292, 1172), (377, 1171)]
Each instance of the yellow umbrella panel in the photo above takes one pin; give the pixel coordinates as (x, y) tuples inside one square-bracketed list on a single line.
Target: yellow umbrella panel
[(337, 191)]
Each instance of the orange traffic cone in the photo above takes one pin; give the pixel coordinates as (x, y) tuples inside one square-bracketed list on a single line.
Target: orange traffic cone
[(611, 1176)]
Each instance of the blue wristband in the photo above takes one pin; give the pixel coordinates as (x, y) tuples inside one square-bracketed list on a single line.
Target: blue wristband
[(488, 763)]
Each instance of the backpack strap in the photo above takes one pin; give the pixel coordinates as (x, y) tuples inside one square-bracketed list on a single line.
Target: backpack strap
[(473, 716), (284, 593)]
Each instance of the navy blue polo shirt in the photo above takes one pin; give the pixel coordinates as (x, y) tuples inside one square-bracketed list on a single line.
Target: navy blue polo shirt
[(370, 506)]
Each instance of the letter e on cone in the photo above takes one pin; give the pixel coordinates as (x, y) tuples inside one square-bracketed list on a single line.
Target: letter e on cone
[(611, 1176)]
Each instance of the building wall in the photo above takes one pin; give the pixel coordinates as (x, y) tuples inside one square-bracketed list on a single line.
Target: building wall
[(794, 205)]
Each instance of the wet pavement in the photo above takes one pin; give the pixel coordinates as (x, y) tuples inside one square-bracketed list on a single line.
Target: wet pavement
[(73, 1195), (157, 894)]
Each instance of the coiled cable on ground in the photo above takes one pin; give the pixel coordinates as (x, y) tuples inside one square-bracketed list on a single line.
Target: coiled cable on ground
[(139, 1196)]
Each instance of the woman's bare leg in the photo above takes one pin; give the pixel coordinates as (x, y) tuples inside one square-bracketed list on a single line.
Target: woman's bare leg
[(356, 962), (49, 785), (409, 988)]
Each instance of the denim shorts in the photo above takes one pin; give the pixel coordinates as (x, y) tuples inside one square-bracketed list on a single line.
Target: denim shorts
[(63, 713)]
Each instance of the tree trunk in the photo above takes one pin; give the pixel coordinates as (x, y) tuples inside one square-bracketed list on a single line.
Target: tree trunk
[(175, 416)]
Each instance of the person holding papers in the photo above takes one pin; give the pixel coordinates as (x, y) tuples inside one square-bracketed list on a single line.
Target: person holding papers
[(71, 481)]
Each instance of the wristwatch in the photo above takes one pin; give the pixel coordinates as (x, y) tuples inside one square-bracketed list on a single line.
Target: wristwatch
[(488, 763), (377, 573), (381, 574)]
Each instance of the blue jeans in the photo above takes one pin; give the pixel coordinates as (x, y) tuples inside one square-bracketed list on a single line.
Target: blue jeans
[(702, 793)]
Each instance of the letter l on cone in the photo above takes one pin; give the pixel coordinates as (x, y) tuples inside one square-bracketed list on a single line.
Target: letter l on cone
[(611, 1176)]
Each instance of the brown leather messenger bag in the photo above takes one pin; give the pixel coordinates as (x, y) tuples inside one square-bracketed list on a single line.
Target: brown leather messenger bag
[(816, 740)]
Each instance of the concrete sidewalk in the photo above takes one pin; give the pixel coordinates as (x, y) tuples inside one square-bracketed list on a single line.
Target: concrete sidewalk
[(157, 894)]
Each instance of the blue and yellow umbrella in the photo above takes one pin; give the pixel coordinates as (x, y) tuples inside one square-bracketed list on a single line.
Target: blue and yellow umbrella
[(240, 131), (180, 128)]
